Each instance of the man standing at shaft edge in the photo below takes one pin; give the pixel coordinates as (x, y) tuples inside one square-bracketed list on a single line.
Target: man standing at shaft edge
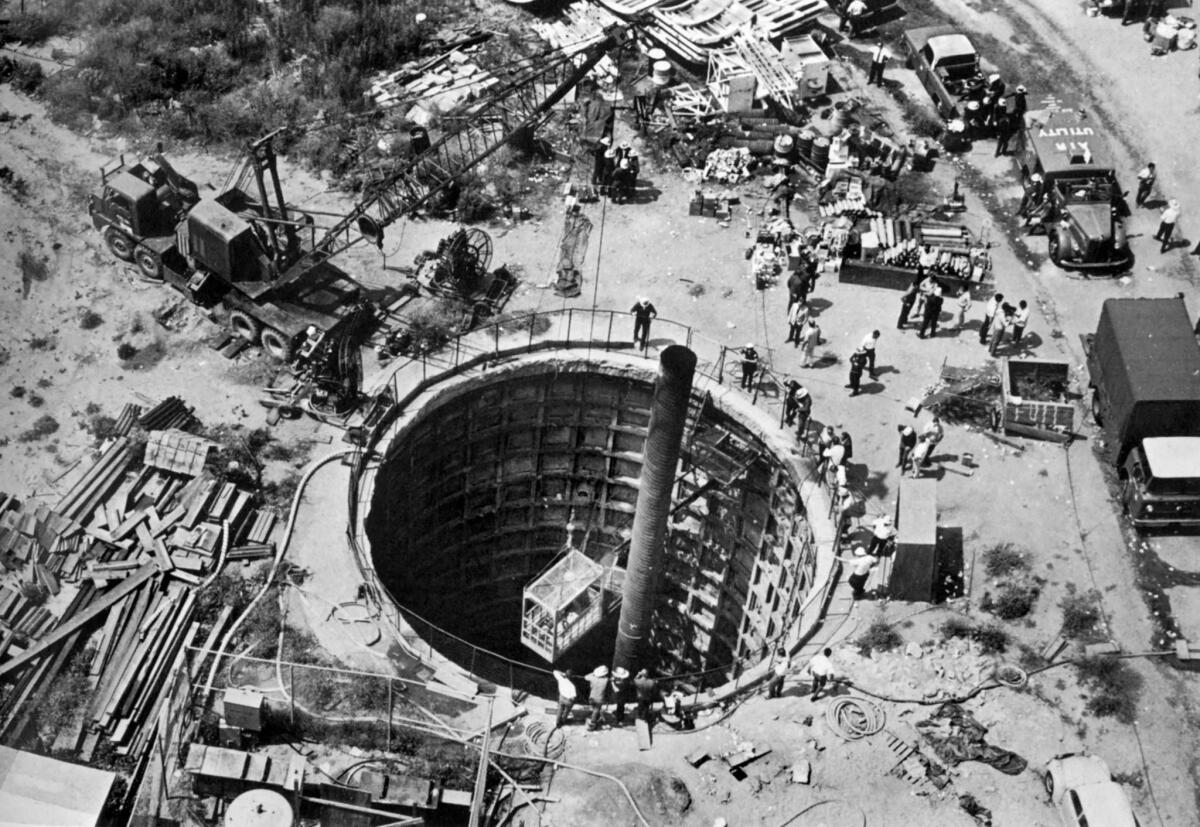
[(642, 312), (1145, 179), (749, 365), (782, 665), (566, 696), (597, 696), (646, 689)]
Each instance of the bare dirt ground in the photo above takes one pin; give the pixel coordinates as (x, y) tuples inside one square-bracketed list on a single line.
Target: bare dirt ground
[(1050, 501)]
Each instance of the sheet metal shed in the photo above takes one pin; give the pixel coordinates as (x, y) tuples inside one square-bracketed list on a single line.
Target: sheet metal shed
[(35, 790)]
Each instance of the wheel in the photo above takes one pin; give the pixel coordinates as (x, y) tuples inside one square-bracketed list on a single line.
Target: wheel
[(119, 244), (1097, 417), (245, 326), (1048, 783), (149, 263), (480, 245), (1054, 248), (276, 344)]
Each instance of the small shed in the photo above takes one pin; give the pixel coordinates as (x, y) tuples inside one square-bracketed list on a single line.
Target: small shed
[(35, 790), (915, 563), (562, 605)]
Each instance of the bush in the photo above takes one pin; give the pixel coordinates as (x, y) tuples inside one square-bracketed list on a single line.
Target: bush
[(1081, 617), (42, 427), (990, 638), (880, 636), (102, 427), (1114, 687), (1004, 560), (90, 320), (36, 27), (24, 76), (1012, 601), (126, 351)]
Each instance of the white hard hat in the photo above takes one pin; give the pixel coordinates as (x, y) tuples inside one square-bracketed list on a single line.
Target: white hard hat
[(993, 77), (1037, 176)]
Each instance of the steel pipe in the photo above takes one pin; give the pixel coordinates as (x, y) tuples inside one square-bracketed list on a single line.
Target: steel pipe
[(647, 546)]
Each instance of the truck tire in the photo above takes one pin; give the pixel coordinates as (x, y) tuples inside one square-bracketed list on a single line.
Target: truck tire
[(276, 344), (149, 263), (1097, 417), (245, 326), (119, 244)]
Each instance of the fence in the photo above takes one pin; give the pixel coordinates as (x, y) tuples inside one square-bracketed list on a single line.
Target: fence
[(583, 331)]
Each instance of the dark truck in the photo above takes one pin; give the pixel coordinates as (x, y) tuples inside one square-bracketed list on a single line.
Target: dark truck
[(948, 66), (230, 250), (1144, 373), (1081, 204)]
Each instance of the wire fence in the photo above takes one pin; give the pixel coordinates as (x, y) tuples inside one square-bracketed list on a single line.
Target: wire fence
[(581, 331)]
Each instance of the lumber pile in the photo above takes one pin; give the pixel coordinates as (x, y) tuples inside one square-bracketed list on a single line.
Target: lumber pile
[(117, 562)]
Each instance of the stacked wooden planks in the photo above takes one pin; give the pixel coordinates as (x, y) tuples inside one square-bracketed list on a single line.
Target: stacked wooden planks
[(126, 549)]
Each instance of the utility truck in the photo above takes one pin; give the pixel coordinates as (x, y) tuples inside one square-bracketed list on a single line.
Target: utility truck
[(1079, 202), (1144, 375)]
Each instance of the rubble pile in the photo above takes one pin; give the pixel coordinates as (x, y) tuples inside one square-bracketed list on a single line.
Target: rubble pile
[(941, 670), (729, 166)]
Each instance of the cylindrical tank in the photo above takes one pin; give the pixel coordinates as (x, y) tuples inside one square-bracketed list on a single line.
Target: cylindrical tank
[(419, 137), (785, 150), (820, 152), (660, 72), (804, 143), (841, 116), (259, 808)]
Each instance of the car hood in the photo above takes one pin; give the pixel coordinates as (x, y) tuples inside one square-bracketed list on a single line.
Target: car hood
[(1093, 220)]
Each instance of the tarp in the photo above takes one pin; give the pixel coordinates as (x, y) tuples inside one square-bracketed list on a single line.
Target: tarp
[(956, 736), (35, 790)]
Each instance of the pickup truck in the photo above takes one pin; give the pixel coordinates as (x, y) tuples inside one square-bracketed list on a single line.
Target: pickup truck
[(1084, 208), (948, 66), (1144, 374)]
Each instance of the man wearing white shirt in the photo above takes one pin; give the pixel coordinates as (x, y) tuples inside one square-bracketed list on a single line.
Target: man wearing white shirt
[(881, 533), (993, 306), (821, 669), (868, 345), (1020, 319), (878, 59)]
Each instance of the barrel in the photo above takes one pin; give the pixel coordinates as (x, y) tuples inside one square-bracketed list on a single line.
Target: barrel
[(419, 138), (1185, 39), (660, 72), (841, 116), (820, 152), (656, 54), (804, 143), (785, 150)]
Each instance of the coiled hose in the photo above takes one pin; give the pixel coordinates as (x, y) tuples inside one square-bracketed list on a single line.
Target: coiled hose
[(854, 718)]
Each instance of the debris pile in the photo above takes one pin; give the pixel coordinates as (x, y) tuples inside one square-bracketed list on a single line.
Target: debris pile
[(968, 396), (947, 670), (956, 736), (729, 166)]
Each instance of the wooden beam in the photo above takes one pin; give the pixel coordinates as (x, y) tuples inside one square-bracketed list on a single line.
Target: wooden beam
[(95, 610)]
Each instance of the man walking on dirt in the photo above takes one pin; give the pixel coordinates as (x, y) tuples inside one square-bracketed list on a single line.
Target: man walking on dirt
[(1166, 225), (821, 669), (858, 361), (779, 673), (993, 306), (868, 346), (908, 441), (933, 312), (1145, 179), (642, 312)]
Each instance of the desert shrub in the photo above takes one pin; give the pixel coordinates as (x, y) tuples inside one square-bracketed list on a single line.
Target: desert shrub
[(33, 27), (990, 637), (25, 76), (1081, 616), (126, 351), (89, 319), (1004, 560), (42, 343), (1012, 601), (1114, 687), (102, 427), (279, 493), (42, 427), (880, 636), (32, 268)]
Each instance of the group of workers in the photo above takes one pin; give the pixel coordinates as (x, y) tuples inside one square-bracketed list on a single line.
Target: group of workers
[(615, 170), (618, 690)]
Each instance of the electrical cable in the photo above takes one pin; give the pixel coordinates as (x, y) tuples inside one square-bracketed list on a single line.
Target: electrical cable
[(822, 803)]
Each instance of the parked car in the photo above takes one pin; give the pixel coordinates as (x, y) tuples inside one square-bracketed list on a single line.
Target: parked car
[(1082, 790)]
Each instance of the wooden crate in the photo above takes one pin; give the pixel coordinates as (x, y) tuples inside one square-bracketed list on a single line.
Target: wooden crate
[(1032, 418)]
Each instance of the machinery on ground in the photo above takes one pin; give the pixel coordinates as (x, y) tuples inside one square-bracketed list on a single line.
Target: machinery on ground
[(269, 265), (1144, 374), (947, 65), (1080, 204)]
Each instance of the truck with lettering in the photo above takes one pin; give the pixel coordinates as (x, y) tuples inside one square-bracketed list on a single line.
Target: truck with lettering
[(1079, 201), (947, 65), (1144, 375)]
